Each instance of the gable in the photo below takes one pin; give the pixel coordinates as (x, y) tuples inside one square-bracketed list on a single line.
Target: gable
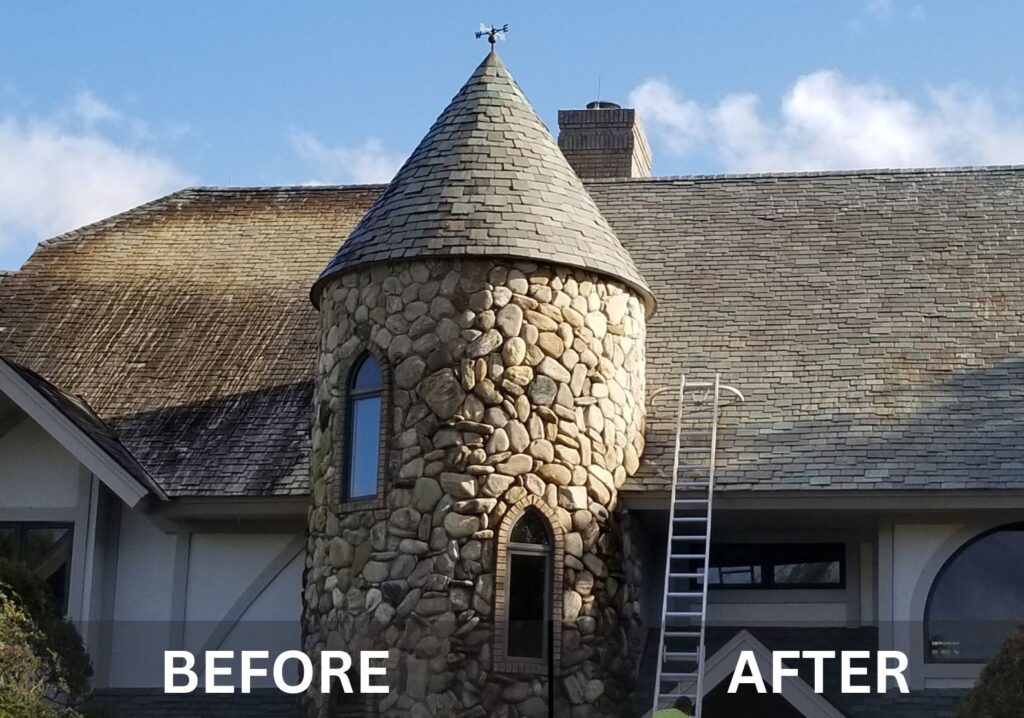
[(720, 666), (73, 427)]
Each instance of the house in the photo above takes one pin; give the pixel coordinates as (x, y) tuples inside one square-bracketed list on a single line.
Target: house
[(460, 450)]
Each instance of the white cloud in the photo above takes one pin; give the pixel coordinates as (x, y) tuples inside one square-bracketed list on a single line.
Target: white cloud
[(92, 110), (62, 172), (825, 121), (369, 162), (880, 8)]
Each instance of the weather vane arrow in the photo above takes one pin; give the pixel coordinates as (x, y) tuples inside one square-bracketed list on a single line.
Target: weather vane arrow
[(492, 33)]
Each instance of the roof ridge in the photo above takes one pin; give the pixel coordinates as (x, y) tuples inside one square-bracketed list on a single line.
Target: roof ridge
[(113, 220), (892, 171), (287, 187)]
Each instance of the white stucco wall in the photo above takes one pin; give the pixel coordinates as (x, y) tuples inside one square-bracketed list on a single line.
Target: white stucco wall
[(271, 622), (223, 567), (142, 604), (36, 471), (201, 592), (775, 608)]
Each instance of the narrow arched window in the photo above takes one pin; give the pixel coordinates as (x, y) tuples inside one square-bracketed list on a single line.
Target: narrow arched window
[(365, 409), (977, 599), (528, 589)]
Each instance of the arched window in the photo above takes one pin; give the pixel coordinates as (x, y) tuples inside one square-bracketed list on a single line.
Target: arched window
[(529, 589), (365, 409), (977, 599)]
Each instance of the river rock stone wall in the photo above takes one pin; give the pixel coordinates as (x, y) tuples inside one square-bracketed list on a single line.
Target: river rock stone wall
[(509, 384)]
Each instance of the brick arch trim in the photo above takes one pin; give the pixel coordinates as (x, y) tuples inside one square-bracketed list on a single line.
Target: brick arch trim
[(341, 432), (502, 662)]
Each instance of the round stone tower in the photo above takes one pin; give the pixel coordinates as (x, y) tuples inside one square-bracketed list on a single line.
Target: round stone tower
[(479, 402)]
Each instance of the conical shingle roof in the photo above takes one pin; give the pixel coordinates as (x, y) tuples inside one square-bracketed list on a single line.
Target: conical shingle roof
[(488, 180)]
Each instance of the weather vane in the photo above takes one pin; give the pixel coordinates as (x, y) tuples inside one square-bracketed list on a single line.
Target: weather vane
[(492, 33)]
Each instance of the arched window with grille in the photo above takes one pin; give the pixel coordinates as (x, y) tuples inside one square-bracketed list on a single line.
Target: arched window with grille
[(977, 599), (364, 422), (529, 588)]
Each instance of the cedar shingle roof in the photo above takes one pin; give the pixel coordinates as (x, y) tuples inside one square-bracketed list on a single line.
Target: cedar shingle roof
[(873, 320), (186, 324), (487, 180)]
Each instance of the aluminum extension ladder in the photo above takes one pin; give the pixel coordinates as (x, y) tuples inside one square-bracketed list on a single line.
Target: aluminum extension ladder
[(681, 646)]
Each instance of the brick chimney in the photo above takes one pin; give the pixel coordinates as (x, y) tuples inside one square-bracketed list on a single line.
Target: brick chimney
[(604, 141)]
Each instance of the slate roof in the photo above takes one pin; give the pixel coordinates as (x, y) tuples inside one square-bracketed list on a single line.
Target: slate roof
[(89, 423), (873, 319), (487, 180)]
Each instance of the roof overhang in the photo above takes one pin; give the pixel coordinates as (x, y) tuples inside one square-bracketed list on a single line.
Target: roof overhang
[(873, 501), (77, 442)]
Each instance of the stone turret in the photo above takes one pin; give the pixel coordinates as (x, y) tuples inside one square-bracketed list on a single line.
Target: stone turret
[(509, 325)]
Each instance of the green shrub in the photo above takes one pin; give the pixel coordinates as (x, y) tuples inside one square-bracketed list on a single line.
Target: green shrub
[(44, 668), (999, 692)]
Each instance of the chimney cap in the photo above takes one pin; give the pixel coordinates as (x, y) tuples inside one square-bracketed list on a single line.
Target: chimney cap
[(603, 105)]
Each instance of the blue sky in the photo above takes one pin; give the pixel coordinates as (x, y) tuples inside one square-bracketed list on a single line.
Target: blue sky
[(104, 105)]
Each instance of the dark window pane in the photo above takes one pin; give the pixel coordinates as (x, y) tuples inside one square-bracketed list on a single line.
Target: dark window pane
[(528, 603), (777, 565), (368, 376), (8, 542), (39, 544), (43, 549), (813, 573), (977, 599), (739, 575), (531, 529), (365, 447), (735, 565)]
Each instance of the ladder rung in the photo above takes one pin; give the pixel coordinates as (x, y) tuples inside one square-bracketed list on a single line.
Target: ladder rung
[(690, 518), (685, 594), (686, 575), (682, 634), (680, 656), (687, 555), (691, 501), (684, 614), (677, 676)]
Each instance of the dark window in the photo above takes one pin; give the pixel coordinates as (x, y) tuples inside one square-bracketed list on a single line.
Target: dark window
[(529, 588), (977, 599), (777, 566), (45, 549), (365, 409)]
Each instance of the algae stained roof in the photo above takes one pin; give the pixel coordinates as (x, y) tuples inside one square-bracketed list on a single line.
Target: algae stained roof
[(186, 325), (873, 320)]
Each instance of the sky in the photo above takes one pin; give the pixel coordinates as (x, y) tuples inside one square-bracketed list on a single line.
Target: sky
[(108, 104)]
